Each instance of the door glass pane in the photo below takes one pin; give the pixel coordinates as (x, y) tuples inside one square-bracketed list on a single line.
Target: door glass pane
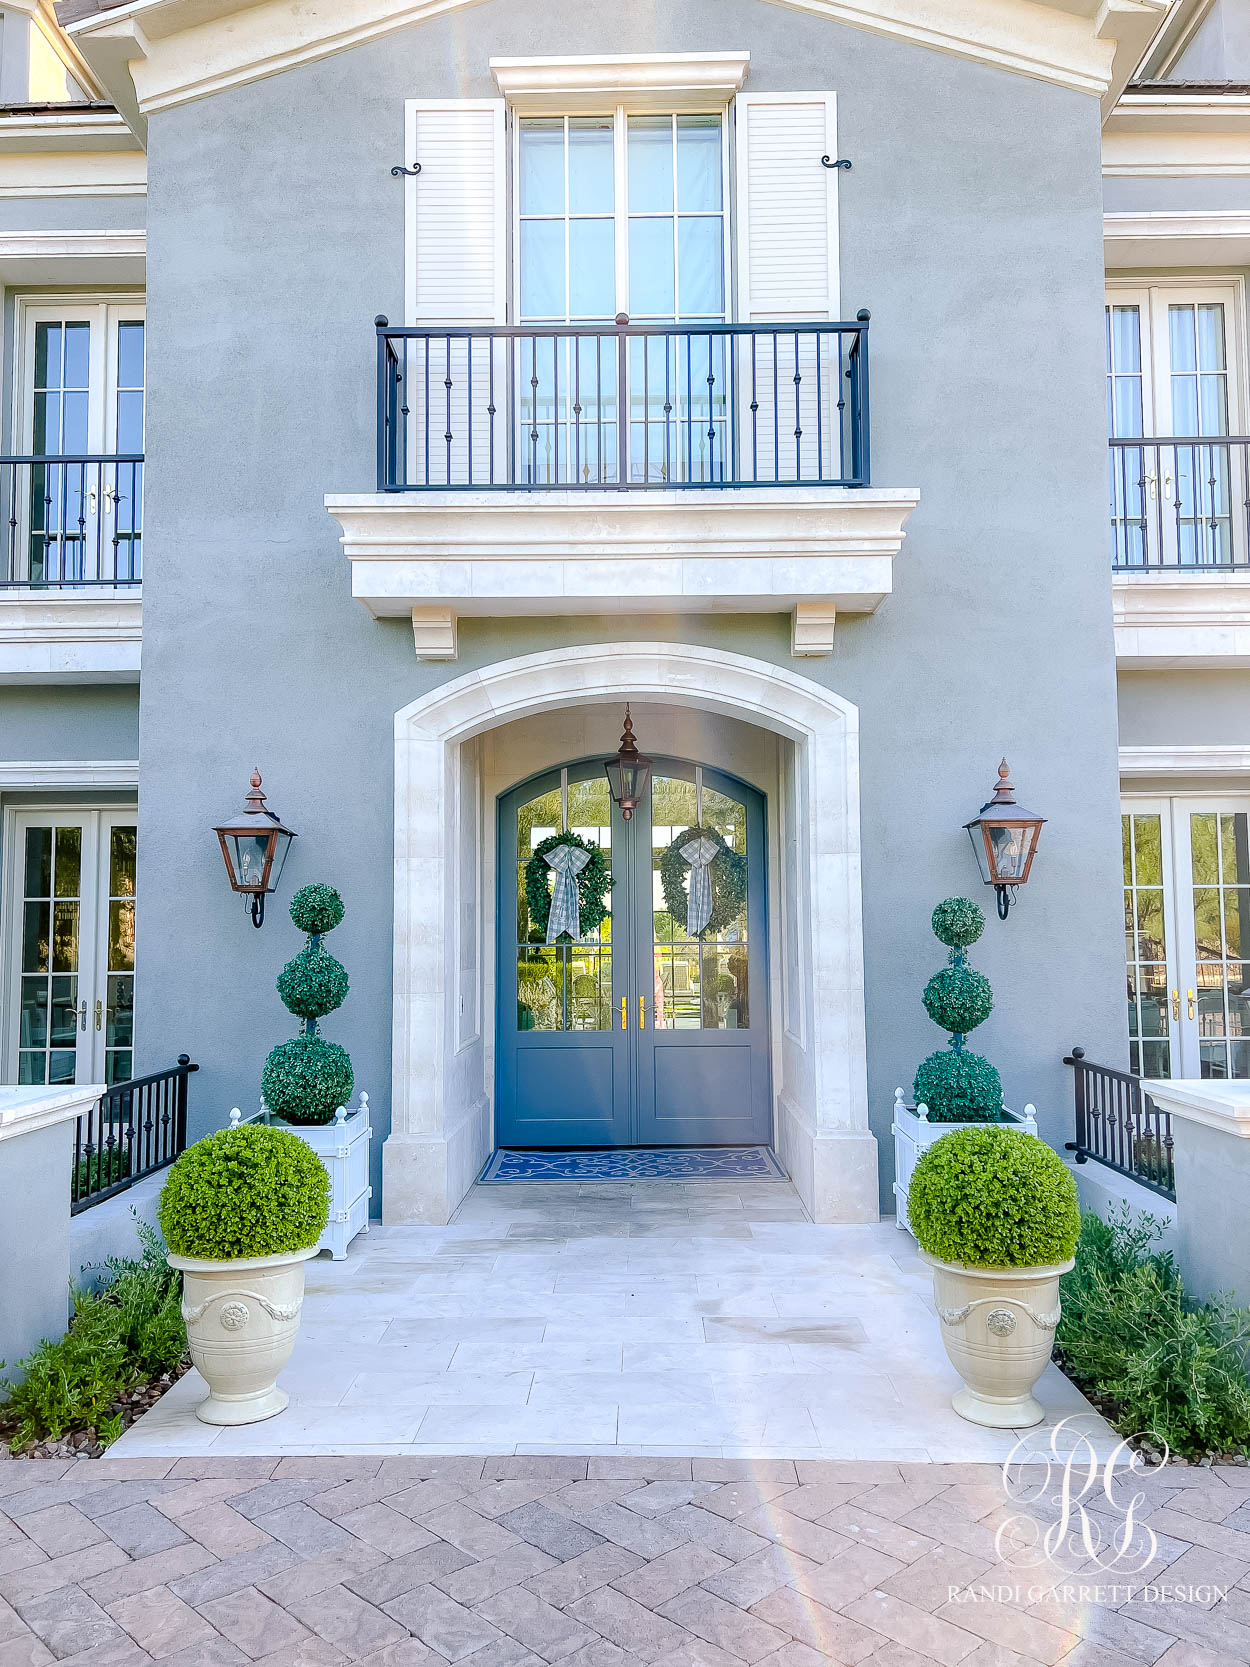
[(48, 1017), (120, 972), (1126, 420), (591, 179), (700, 982), (1145, 943), (58, 503), (650, 164), (124, 483), (1199, 400), (1221, 906), (566, 985)]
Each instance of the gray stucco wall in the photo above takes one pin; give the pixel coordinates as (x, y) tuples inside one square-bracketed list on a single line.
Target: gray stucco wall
[(78, 214), (970, 224), (1193, 195), (1184, 708), (1220, 50), (71, 721)]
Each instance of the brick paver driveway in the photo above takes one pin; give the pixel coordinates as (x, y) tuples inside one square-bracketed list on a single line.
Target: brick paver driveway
[(587, 1562)]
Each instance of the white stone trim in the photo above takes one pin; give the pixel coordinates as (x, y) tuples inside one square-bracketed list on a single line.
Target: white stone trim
[(811, 629), (440, 1113), (48, 638), (1162, 116), (68, 130), (1217, 1105), (25, 1110), (155, 54), (61, 245), (1173, 620), (1185, 761), (79, 173), (52, 774), (638, 80), (1176, 155), (1161, 239), (434, 633), (744, 550)]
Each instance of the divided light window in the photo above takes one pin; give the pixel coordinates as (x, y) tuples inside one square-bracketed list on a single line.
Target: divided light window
[(621, 214)]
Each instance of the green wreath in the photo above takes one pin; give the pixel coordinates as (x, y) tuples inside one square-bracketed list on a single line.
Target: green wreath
[(593, 884), (729, 881)]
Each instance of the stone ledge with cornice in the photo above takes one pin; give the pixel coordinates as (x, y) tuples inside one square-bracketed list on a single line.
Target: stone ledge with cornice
[(807, 551), (1218, 1105), (1173, 620), (51, 638)]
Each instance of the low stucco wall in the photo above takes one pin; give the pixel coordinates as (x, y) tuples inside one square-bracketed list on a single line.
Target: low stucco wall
[(1212, 1239), (34, 1240)]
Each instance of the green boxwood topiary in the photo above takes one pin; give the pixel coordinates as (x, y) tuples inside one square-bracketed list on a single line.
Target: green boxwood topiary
[(957, 922), (316, 908), (958, 998), (249, 1191), (307, 1079), (959, 1087), (994, 1198), (313, 984)]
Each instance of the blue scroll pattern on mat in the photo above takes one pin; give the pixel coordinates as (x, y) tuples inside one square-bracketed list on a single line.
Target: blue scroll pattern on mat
[(636, 1164)]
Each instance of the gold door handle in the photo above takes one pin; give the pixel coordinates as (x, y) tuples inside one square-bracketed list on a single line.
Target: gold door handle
[(624, 1011), (1189, 996), (1176, 1005), (83, 1016), (99, 1015), (642, 1012)]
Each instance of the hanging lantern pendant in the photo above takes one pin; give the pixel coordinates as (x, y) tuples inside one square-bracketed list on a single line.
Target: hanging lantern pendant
[(629, 773)]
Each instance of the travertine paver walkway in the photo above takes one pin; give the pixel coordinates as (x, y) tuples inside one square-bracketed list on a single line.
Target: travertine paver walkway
[(600, 1562), (703, 1317)]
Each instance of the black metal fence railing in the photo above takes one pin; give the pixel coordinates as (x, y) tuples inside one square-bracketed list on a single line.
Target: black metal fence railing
[(132, 1130), (1180, 503), (623, 406), (71, 523), (1119, 1125)]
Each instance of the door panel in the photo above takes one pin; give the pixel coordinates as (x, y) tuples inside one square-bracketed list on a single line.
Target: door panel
[(642, 1034)]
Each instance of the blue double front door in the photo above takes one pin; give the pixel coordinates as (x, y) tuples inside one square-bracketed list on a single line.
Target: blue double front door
[(650, 1029)]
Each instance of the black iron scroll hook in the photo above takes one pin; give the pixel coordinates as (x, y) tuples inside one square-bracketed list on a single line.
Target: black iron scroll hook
[(416, 169), (827, 162)]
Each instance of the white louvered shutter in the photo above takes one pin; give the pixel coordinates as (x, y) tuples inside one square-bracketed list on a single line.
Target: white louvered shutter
[(787, 272), (457, 276)]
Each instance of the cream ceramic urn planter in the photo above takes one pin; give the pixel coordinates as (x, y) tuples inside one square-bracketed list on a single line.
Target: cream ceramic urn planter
[(242, 1317), (998, 1328)]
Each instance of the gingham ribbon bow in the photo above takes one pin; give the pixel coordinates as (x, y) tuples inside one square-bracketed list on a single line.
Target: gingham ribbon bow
[(567, 863), (700, 854)]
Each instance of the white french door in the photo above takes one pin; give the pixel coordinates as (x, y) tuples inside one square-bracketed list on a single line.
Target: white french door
[(1187, 935), (70, 946), (82, 396), (1174, 375)]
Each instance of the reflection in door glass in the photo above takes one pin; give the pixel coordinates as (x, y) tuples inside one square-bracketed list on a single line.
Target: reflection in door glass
[(1145, 946), (119, 1004), (699, 983), (1220, 844), (51, 903), (566, 985)]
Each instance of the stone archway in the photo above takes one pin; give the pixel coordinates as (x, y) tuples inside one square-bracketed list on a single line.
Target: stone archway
[(441, 1114)]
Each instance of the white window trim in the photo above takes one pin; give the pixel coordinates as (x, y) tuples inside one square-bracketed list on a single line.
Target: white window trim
[(694, 82)]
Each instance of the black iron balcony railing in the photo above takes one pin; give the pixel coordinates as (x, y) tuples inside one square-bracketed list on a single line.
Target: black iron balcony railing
[(133, 1129), (628, 407), (1180, 504), (1120, 1127), (71, 523)]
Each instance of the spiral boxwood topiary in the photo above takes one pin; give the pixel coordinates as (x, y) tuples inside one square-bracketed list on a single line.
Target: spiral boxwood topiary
[(250, 1191), (313, 984), (958, 1086), (994, 1198), (307, 1079)]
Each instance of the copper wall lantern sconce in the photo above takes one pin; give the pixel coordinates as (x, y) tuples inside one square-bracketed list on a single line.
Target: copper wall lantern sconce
[(628, 773), (254, 844), (1004, 837)]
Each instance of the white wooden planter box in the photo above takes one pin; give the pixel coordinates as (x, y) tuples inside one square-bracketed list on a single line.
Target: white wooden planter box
[(914, 1134), (343, 1147)]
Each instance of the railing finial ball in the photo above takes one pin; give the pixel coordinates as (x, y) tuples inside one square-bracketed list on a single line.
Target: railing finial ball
[(862, 316), (381, 321)]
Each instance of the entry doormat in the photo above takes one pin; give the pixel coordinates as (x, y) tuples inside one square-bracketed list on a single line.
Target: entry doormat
[(637, 1163)]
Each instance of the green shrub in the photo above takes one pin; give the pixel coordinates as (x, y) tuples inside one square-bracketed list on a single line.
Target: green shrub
[(307, 1079), (1171, 1369), (248, 1191), (959, 1088), (129, 1332), (313, 984), (316, 908), (993, 1198), (958, 998), (957, 922)]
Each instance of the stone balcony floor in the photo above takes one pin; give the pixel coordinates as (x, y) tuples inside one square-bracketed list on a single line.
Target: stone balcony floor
[(705, 1318)]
